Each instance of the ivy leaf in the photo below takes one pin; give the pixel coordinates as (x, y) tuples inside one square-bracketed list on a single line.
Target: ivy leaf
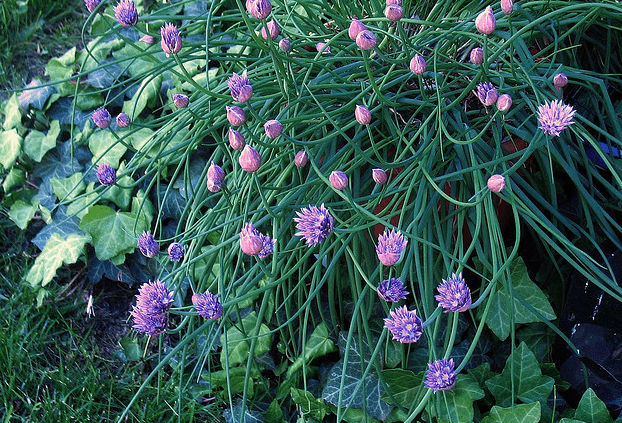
[(35, 97), (117, 194), (12, 114), (66, 189), (235, 415), (56, 252), (521, 372), (63, 111), (319, 344), (61, 224), (456, 405), (97, 269), (524, 413), (106, 148), (239, 341), (142, 207), (354, 394), (59, 163), (10, 147), (61, 67), (591, 409), (146, 95), (21, 212), (15, 177), (402, 386), (81, 204), (113, 233), (524, 291), (309, 405), (172, 206), (36, 143)]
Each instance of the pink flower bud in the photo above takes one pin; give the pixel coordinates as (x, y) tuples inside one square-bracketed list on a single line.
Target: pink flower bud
[(284, 44), (507, 6), (356, 26), (396, 2), (273, 128), (235, 115), (123, 120), (180, 100), (273, 29), (362, 114), (496, 183), (250, 240), (101, 118), (477, 56), (250, 159), (236, 140), (322, 48), (380, 176), (560, 80), (485, 21), (487, 93), (366, 40), (260, 9), (504, 102), (215, 176), (338, 180), (148, 39), (394, 12), (301, 158), (417, 65), (170, 39)]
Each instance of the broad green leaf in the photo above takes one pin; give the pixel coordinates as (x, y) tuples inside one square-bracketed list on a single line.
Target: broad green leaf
[(146, 95), (21, 212), (524, 290), (131, 349), (15, 177), (319, 344), (591, 409), (233, 379), (66, 189), (567, 420), (309, 405), (274, 413), (456, 404), (521, 370), (61, 67), (95, 52), (113, 233), (81, 204), (106, 148), (10, 146), (139, 65), (142, 207), (12, 115), (35, 96), (402, 385), (36, 143), (524, 413), (238, 341), (87, 101), (56, 252)]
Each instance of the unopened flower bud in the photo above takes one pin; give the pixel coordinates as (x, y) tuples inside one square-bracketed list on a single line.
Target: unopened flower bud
[(486, 22), (322, 48), (379, 176), (477, 56), (215, 176), (260, 9), (123, 120), (504, 102), (250, 240), (417, 65), (362, 114), (91, 4), (560, 80), (236, 140), (273, 29), (180, 100), (170, 39), (394, 12), (487, 94), (366, 40), (338, 180), (235, 115), (273, 128), (507, 6), (284, 44), (250, 159), (396, 2), (356, 26), (106, 175), (301, 158), (240, 87), (176, 251), (148, 39), (102, 118), (496, 183)]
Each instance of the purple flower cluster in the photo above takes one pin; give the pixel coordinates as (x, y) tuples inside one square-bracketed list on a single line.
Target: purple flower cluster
[(176, 251), (314, 224), (106, 175), (207, 305), (254, 243), (392, 290), (147, 245), (454, 294), (152, 304), (126, 13), (390, 246), (405, 325), (554, 117), (170, 39), (240, 87), (441, 375)]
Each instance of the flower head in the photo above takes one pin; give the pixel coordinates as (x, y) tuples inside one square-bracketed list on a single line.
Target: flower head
[(362, 114), (477, 56), (126, 13), (240, 87), (366, 40), (560, 80), (394, 12), (215, 176), (148, 245), (379, 176), (91, 4), (106, 175), (207, 305), (148, 39), (356, 26), (235, 115), (285, 44), (123, 120), (152, 304), (390, 246), (487, 93), (496, 183), (504, 102), (390, 2), (236, 140), (176, 251), (251, 242), (454, 294), (250, 159), (180, 100), (267, 246), (338, 179), (301, 158), (102, 118), (392, 290), (273, 128), (417, 65), (507, 6), (260, 9), (441, 375), (405, 325), (485, 21), (170, 39), (555, 117), (322, 48), (273, 30), (314, 224)]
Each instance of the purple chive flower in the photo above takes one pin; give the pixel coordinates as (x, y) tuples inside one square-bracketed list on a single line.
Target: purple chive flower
[(176, 251), (148, 245), (152, 304), (267, 246), (487, 93), (390, 246), (273, 128), (285, 44), (273, 30), (362, 114), (207, 305), (240, 87), (314, 224), (102, 118), (454, 294), (215, 176), (485, 21), (91, 4), (477, 56), (405, 325), (394, 12), (555, 117), (507, 6), (496, 183), (235, 115), (170, 39), (126, 13), (106, 175), (560, 80), (148, 39), (356, 26), (322, 48), (366, 40), (260, 9), (338, 179), (392, 290), (250, 159), (301, 158), (251, 242), (380, 176), (504, 102), (390, 2), (123, 120), (236, 140), (441, 375), (417, 65), (180, 100)]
